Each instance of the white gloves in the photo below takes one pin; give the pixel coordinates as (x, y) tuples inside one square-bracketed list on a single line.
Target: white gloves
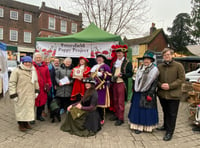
[(99, 74), (15, 99), (36, 95)]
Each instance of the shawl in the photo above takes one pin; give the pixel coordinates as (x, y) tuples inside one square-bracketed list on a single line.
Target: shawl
[(145, 77)]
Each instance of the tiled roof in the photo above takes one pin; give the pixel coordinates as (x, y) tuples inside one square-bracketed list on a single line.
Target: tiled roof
[(144, 40)]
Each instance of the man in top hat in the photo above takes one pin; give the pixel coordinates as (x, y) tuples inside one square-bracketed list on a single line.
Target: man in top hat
[(121, 71), (100, 73)]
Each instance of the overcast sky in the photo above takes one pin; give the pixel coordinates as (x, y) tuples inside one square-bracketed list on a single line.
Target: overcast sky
[(162, 12)]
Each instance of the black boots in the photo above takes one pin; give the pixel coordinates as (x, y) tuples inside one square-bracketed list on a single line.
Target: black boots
[(167, 137)]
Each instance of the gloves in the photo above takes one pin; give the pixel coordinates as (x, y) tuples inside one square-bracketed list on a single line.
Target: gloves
[(36, 95), (99, 74), (149, 98), (15, 99)]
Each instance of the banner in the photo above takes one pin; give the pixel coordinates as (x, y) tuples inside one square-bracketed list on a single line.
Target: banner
[(88, 50)]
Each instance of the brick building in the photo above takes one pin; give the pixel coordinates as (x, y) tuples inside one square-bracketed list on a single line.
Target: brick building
[(54, 22), (21, 23), (156, 41), (18, 25)]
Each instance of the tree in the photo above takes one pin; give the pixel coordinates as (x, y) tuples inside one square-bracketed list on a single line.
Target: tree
[(195, 20), (116, 16), (180, 35)]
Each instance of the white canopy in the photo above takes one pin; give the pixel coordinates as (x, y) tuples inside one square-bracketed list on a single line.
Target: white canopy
[(195, 49)]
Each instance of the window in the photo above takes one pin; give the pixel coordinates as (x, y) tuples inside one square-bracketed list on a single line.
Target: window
[(63, 26), (13, 35), (74, 27), (13, 15), (27, 37), (1, 12), (27, 18), (52, 23), (135, 50), (1, 33)]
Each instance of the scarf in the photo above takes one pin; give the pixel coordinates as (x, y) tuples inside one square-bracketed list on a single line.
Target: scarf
[(118, 63), (95, 67), (34, 77), (145, 77)]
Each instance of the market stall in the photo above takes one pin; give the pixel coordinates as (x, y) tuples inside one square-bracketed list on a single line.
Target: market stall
[(85, 43)]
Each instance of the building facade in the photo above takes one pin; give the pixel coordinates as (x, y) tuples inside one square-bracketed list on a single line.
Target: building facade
[(156, 41), (18, 26), (21, 23), (54, 22)]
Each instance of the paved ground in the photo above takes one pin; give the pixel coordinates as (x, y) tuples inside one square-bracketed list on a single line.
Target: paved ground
[(48, 135)]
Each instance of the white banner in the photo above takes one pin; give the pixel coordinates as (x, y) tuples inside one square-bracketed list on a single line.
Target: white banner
[(87, 50)]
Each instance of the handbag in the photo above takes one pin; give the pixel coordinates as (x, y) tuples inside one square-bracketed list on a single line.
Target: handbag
[(76, 113), (46, 85)]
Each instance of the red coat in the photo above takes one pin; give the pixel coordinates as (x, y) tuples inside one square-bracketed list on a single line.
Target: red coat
[(79, 86), (43, 78)]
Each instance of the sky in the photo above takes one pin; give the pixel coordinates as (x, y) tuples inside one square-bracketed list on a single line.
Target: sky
[(162, 12)]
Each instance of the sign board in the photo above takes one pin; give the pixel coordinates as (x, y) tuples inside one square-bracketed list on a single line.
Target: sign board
[(85, 49)]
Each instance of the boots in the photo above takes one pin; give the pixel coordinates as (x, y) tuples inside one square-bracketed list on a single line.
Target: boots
[(27, 126), (21, 126)]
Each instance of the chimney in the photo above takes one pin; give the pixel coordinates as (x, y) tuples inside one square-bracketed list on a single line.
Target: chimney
[(43, 4), (153, 28), (59, 8)]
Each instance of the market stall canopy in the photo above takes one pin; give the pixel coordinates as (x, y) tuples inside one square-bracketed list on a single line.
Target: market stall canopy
[(90, 34), (194, 49), (86, 43)]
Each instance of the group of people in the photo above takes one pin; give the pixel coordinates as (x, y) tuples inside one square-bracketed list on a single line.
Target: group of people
[(84, 93)]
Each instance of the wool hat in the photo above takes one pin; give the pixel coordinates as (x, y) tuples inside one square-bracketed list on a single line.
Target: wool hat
[(84, 59), (149, 54), (120, 48), (89, 80), (26, 59)]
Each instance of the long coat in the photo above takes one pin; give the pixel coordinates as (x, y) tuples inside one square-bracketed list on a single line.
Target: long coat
[(103, 88), (173, 74), (65, 90), (43, 78), (21, 86), (79, 86)]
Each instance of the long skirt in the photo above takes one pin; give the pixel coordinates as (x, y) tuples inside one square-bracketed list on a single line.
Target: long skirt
[(143, 119), (85, 126)]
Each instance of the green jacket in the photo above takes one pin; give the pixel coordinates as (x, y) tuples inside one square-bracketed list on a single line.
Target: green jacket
[(173, 74)]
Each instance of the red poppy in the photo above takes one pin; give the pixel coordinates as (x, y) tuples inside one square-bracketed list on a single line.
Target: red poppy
[(105, 52), (49, 51), (37, 50), (97, 52), (43, 50)]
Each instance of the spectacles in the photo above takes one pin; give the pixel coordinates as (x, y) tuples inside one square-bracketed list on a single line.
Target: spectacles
[(166, 55)]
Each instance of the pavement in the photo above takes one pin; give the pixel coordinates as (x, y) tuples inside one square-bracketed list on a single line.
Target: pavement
[(48, 135)]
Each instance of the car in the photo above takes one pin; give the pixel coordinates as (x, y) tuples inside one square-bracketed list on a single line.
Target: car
[(12, 64), (193, 76)]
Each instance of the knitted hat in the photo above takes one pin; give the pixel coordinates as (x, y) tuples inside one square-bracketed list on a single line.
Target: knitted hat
[(150, 55), (26, 59), (89, 80)]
